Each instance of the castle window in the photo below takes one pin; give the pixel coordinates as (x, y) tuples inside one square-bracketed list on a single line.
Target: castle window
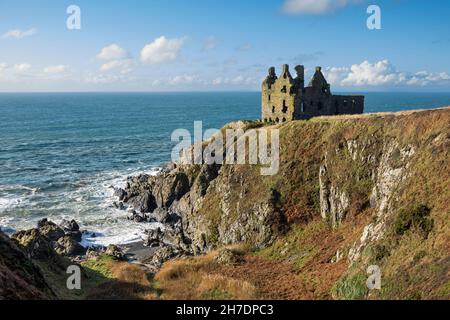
[(284, 106), (324, 89), (277, 120), (353, 102), (269, 97), (284, 90), (273, 109), (284, 119), (345, 102)]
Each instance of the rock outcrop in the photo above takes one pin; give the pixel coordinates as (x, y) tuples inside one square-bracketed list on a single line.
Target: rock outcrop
[(41, 242), (351, 192), (20, 278)]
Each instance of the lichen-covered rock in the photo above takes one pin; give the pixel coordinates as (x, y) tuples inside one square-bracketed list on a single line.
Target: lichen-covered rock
[(227, 257), (162, 255), (68, 246), (50, 230), (391, 171), (115, 252), (36, 245), (72, 229)]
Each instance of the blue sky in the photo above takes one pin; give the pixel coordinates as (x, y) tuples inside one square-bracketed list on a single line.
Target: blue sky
[(213, 45)]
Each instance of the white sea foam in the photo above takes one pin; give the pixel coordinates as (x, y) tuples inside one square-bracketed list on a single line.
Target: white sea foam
[(89, 201)]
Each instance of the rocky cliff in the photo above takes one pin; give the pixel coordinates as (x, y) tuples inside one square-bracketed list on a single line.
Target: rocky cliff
[(351, 192), (379, 183), (20, 278)]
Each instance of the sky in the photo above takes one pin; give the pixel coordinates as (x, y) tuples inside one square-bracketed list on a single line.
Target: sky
[(221, 45)]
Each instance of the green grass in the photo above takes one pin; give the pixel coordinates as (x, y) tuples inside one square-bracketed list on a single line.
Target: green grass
[(351, 287), (297, 246), (99, 267)]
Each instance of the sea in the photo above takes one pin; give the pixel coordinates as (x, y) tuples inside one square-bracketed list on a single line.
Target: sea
[(61, 153)]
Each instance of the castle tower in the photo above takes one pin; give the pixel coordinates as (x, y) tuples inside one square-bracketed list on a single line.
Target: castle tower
[(300, 79)]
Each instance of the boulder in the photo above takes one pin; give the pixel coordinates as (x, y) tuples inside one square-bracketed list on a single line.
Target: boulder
[(120, 194), (115, 252), (72, 229), (171, 236), (227, 257), (50, 230), (34, 243), (143, 202), (154, 237), (164, 254), (69, 247)]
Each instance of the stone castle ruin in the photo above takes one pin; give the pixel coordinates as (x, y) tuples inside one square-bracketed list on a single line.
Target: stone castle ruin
[(285, 98)]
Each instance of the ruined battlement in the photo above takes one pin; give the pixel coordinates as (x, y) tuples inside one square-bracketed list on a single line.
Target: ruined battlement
[(285, 98)]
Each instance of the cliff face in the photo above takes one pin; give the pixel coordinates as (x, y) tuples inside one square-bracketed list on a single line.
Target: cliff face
[(376, 186), (351, 192), (20, 278)]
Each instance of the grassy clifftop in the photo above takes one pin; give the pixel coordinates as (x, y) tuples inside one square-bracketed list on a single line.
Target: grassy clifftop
[(352, 191)]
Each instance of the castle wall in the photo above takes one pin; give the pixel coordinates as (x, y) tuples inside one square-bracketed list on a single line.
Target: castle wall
[(353, 104), (285, 99)]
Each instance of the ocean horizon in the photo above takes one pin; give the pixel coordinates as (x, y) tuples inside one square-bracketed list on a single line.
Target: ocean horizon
[(62, 152)]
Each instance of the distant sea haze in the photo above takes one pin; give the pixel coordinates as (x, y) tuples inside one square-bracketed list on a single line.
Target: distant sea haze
[(60, 153)]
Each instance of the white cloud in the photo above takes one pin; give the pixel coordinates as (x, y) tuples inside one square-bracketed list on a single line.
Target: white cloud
[(235, 81), (162, 50), (111, 52), (19, 34), (117, 59), (381, 73), (22, 67), (217, 81), (3, 67), (335, 75), (424, 78), (210, 43), (378, 73), (106, 78), (183, 79), (124, 66), (314, 6), (55, 69)]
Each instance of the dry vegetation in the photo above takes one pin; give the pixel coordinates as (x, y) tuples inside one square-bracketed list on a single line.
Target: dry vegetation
[(200, 278), (118, 280), (301, 263)]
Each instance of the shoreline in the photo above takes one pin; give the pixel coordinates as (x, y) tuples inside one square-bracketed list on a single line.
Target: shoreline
[(358, 185)]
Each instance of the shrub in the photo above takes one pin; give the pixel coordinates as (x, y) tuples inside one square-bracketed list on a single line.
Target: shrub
[(414, 217)]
